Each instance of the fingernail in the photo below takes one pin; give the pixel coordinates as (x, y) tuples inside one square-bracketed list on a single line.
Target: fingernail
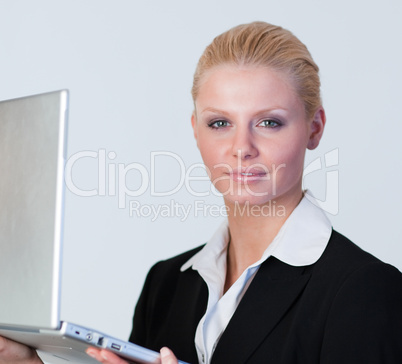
[(91, 353), (165, 352)]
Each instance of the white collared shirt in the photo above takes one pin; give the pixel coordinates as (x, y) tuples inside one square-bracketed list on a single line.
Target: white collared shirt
[(301, 241)]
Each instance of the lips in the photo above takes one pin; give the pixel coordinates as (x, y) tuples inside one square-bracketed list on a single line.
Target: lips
[(248, 175)]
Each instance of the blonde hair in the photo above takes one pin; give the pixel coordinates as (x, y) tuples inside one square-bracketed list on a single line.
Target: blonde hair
[(265, 45)]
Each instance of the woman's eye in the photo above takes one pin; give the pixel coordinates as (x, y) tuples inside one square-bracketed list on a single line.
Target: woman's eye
[(269, 123), (218, 124)]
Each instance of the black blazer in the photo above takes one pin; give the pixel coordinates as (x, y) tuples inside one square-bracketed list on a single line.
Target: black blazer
[(345, 308)]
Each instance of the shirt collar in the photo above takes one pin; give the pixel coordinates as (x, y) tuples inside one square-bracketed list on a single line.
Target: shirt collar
[(301, 240)]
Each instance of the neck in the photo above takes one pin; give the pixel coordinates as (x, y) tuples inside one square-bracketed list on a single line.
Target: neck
[(252, 229)]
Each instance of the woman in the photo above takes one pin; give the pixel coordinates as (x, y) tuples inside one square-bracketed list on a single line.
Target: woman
[(277, 287), (268, 287)]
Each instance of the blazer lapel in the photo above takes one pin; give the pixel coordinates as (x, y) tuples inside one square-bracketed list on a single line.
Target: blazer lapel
[(273, 290)]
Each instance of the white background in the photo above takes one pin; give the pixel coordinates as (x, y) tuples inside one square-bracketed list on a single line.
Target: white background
[(129, 66)]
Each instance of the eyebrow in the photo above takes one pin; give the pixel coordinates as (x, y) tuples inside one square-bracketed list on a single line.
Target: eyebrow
[(215, 111), (258, 113)]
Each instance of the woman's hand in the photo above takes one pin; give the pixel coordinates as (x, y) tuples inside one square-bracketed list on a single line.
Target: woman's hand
[(16, 353), (106, 357), (168, 357)]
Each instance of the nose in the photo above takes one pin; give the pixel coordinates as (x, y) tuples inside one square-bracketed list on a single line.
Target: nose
[(243, 146)]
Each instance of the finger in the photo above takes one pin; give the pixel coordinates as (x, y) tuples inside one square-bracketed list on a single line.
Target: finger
[(11, 351), (94, 353), (105, 356), (167, 356)]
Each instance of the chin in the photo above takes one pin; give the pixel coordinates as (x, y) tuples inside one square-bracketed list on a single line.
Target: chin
[(247, 199)]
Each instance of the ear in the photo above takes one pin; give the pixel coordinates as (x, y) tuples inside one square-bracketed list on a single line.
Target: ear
[(194, 125), (317, 128)]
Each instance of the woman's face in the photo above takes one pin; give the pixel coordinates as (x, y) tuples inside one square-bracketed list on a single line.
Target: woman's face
[(252, 132)]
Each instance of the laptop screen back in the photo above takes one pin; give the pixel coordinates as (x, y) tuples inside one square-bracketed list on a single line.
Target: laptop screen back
[(32, 150)]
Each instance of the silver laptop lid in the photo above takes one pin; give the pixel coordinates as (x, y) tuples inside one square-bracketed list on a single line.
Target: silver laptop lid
[(32, 153)]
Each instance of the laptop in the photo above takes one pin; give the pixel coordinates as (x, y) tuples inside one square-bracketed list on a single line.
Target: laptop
[(33, 143)]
